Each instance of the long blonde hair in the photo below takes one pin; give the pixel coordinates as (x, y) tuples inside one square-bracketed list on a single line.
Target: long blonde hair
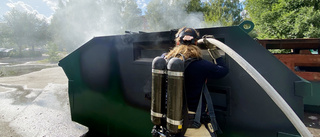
[(184, 51)]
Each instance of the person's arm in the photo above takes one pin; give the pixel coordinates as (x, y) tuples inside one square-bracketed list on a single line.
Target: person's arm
[(218, 70)]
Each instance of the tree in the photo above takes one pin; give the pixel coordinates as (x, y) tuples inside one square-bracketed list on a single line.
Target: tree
[(73, 22), (285, 18), (26, 29), (224, 12), (5, 42), (195, 6), (156, 10), (131, 16)]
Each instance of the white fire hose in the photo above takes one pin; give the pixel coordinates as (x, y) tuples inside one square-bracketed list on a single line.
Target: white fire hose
[(273, 94)]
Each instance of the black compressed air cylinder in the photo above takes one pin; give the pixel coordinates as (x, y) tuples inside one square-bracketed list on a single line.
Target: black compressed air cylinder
[(175, 95), (159, 67)]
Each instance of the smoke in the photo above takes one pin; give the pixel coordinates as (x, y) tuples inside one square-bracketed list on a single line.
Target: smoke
[(171, 14), (77, 21)]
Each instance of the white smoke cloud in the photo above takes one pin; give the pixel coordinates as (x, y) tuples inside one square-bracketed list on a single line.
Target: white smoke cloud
[(171, 14)]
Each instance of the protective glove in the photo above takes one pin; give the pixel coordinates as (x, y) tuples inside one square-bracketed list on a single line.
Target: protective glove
[(214, 53), (212, 49), (207, 43)]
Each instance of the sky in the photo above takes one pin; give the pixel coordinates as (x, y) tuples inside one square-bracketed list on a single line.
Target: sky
[(43, 8)]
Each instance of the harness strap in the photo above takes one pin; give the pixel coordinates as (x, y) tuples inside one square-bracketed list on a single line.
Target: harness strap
[(196, 121), (185, 113), (213, 126), (188, 61)]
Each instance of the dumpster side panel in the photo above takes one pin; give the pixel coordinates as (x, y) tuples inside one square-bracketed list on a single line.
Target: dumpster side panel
[(97, 96), (247, 108)]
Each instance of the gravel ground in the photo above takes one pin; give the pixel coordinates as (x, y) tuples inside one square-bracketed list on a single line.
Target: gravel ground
[(37, 105), (312, 121)]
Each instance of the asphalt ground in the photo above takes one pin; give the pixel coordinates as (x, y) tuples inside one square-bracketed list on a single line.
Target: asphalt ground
[(37, 105)]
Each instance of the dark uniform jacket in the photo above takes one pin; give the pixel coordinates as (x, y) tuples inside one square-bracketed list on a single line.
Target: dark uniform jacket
[(196, 74)]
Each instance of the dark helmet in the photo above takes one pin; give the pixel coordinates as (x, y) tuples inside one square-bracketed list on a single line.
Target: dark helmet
[(188, 36)]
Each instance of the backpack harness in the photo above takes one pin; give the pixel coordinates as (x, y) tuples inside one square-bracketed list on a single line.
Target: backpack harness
[(163, 108)]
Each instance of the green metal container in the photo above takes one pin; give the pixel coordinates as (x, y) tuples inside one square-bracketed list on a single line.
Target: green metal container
[(110, 76)]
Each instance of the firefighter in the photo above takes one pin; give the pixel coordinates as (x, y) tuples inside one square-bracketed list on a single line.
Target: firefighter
[(197, 71)]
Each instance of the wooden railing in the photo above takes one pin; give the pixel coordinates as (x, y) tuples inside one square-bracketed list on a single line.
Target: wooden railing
[(300, 61)]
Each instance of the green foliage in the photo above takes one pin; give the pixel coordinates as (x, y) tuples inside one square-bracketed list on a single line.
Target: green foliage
[(131, 16), (280, 51), (25, 29), (195, 6), (166, 15), (5, 41), (225, 12), (253, 33), (285, 18), (53, 53)]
